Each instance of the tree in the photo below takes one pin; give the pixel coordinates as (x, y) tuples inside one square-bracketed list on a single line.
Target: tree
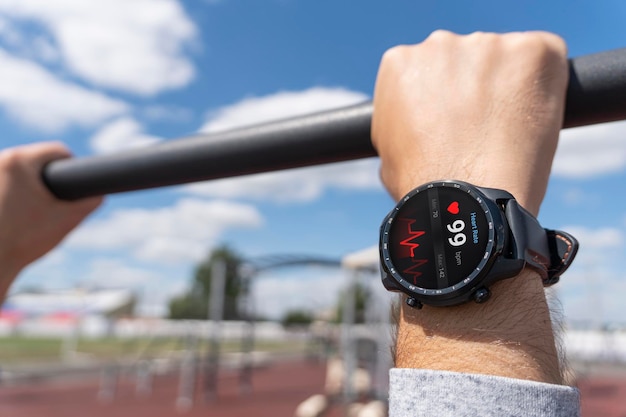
[(195, 303), (297, 318), (362, 297)]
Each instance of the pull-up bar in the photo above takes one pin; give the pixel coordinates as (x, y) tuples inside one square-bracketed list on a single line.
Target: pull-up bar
[(596, 94)]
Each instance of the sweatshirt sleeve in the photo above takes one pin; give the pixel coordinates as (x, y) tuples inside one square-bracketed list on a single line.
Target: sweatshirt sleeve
[(423, 392)]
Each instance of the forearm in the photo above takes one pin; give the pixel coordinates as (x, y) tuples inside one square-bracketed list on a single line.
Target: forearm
[(511, 335), (485, 109), (8, 273)]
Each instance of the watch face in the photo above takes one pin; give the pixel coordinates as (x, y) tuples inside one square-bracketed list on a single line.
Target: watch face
[(438, 238)]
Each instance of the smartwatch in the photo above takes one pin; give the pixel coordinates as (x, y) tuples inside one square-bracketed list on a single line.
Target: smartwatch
[(446, 242)]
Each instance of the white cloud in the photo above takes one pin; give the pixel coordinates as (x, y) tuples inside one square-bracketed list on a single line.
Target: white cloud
[(113, 273), (182, 232), (120, 134), (597, 239), (575, 196), (597, 246), (37, 98), (38, 47), (53, 258), (167, 113), (303, 184), (596, 259), (591, 150), (45, 50), (155, 297), (314, 289), (136, 46), (279, 106), (10, 34), (275, 295), (590, 292), (589, 288)]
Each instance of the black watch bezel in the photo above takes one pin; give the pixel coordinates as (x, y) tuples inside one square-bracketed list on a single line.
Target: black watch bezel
[(463, 290)]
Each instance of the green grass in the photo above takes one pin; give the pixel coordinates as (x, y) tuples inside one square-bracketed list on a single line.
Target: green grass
[(15, 350)]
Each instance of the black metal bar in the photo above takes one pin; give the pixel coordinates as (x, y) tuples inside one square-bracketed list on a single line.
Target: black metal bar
[(596, 94), (597, 89)]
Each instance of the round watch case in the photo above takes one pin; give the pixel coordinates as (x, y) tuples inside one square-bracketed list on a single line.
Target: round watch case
[(462, 289)]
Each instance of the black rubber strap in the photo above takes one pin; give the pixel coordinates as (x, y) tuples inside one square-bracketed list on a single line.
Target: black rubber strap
[(549, 252)]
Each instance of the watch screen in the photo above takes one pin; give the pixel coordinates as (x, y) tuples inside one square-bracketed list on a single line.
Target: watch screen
[(438, 237)]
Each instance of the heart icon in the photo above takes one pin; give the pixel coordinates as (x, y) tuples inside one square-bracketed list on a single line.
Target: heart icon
[(453, 208)]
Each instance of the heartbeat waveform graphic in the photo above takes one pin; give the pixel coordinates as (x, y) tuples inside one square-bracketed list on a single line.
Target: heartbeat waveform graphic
[(412, 270), (412, 236)]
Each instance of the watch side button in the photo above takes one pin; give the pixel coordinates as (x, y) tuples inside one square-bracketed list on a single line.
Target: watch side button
[(412, 302), (481, 295)]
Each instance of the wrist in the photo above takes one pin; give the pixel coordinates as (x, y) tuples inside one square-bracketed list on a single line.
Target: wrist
[(509, 336), (520, 186)]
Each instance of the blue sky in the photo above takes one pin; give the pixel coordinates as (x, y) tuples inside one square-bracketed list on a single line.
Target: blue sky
[(109, 74)]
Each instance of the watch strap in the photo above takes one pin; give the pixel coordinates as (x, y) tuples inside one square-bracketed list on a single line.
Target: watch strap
[(563, 248), (549, 252)]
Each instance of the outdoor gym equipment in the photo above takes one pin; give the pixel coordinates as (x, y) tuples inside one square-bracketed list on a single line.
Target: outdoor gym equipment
[(596, 94)]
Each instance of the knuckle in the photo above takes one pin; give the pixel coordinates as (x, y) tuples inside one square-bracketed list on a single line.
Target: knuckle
[(481, 36), (439, 39), (555, 44), (541, 45), (394, 54), (440, 35), (487, 40), (397, 58)]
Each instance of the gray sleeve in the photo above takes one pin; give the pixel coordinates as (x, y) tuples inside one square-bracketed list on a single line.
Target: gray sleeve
[(422, 392)]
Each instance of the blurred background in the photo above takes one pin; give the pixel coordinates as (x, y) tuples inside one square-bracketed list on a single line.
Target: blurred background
[(246, 292)]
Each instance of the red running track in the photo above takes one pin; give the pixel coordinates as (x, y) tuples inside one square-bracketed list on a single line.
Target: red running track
[(277, 390)]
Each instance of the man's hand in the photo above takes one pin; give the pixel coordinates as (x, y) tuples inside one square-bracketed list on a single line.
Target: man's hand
[(32, 220), (486, 109)]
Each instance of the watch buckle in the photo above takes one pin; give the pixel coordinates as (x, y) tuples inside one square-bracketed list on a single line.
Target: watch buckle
[(563, 248)]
